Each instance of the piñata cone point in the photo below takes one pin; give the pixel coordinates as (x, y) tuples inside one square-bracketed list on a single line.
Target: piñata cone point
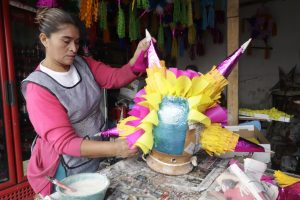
[(244, 145), (227, 65)]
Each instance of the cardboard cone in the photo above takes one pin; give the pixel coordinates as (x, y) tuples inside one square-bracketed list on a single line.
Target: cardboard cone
[(153, 59), (113, 132), (226, 66), (244, 145)]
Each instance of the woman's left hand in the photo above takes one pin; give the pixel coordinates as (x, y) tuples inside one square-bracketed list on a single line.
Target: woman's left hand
[(139, 60)]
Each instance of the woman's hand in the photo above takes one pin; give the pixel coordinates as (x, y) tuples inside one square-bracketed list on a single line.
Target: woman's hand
[(96, 149), (123, 150), (139, 61)]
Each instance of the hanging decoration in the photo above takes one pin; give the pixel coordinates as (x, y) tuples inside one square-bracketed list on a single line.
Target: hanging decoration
[(103, 15), (103, 22), (189, 19), (121, 22), (183, 13), (154, 24), (197, 8), (181, 44), (208, 14), (160, 36), (133, 27), (142, 4), (174, 49), (262, 27), (89, 12), (191, 35), (191, 30), (176, 11), (46, 3)]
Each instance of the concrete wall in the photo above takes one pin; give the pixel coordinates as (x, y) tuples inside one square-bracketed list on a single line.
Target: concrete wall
[(256, 74)]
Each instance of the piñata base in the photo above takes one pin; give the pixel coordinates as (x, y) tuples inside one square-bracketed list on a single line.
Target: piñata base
[(169, 164)]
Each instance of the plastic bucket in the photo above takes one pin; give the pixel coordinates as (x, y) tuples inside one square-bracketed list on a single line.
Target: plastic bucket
[(89, 186)]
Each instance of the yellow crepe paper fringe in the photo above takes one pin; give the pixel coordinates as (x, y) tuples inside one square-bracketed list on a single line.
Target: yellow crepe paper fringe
[(273, 112), (202, 92), (217, 140), (285, 180)]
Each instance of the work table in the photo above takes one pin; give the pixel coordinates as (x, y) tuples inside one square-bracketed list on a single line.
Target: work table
[(132, 179)]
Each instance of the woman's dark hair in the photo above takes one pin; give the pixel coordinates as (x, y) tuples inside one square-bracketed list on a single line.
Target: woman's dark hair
[(50, 20)]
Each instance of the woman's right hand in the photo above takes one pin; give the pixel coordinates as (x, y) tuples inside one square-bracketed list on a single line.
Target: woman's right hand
[(123, 149)]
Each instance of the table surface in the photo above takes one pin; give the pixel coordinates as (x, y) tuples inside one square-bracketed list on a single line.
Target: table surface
[(132, 179)]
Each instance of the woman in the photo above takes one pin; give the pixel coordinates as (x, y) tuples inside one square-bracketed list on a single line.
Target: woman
[(63, 102)]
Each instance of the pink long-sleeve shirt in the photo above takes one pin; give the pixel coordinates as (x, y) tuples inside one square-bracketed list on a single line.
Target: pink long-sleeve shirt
[(51, 122)]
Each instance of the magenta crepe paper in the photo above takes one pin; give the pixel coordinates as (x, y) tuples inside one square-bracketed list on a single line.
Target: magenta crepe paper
[(140, 64), (174, 70), (46, 3), (140, 93), (134, 123), (217, 114), (132, 138), (139, 111), (268, 179), (244, 145), (291, 192), (189, 73), (138, 97), (192, 73)]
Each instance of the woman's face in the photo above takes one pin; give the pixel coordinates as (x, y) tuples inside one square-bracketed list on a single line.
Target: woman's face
[(62, 46)]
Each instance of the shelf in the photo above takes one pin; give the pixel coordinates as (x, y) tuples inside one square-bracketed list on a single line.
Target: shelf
[(22, 6)]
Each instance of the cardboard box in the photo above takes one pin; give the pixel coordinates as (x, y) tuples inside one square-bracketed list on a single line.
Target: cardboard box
[(250, 131)]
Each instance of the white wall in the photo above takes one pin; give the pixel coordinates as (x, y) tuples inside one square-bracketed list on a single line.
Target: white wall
[(256, 74)]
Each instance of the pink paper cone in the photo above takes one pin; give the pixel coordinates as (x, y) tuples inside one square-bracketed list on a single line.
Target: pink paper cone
[(113, 132), (226, 66), (217, 114), (153, 59), (244, 145)]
